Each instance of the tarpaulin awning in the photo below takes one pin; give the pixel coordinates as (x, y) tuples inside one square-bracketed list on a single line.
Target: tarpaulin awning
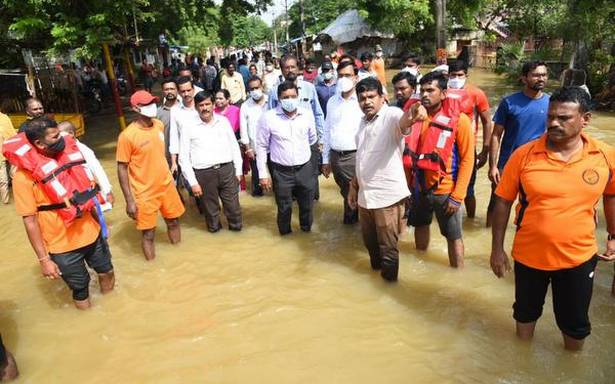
[(350, 26)]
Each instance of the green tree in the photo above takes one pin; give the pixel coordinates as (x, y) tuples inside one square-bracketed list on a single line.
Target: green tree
[(318, 14)]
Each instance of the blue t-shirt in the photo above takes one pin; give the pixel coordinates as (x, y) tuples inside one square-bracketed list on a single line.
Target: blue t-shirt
[(524, 119)]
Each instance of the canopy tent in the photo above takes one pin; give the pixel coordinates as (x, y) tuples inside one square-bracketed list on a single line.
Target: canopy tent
[(350, 26)]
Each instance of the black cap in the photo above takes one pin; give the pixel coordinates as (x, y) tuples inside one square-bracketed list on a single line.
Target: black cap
[(326, 66)]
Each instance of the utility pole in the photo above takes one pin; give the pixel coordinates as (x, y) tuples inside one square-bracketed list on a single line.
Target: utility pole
[(286, 19), (441, 31), (302, 17)]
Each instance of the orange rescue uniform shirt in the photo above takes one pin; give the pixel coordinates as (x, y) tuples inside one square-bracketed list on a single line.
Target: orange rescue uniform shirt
[(556, 214), (464, 141), (57, 237), (378, 68), (142, 148), (478, 105)]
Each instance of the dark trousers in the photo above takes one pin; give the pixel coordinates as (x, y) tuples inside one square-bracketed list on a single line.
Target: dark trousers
[(316, 160), (256, 186), (381, 228), (343, 169), (220, 184), (295, 181)]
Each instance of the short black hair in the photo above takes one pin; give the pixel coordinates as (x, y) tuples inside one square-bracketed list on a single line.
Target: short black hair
[(183, 80), (203, 95), (529, 66), (369, 84), (367, 56), (255, 78), (345, 64), (184, 68), (439, 77), (344, 58), (572, 94), (225, 92), (405, 75), (414, 57), (287, 58), (168, 80), (457, 65), (37, 128), (285, 86)]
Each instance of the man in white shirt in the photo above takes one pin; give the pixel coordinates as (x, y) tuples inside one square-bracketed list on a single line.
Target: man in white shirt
[(93, 165), (287, 133), (341, 125), (251, 111), (211, 162), (181, 115), (379, 187), (271, 77), (186, 72)]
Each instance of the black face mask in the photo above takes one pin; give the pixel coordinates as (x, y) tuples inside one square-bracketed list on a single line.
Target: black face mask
[(291, 77), (56, 147)]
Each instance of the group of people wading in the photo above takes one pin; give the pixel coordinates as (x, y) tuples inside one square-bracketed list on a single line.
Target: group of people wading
[(396, 164)]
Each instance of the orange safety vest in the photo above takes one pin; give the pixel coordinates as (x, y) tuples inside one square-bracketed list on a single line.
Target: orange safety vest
[(65, 179), (433, 151)]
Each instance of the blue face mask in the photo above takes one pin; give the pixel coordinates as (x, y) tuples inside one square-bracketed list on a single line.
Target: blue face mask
[(289, 105)]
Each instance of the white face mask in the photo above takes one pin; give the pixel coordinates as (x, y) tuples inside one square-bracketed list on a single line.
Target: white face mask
[(289, 105), (379, 54), (269, 68), (149, 110), (328, 75), (345, 84), (413, 71), (256, 94), (456, 83)]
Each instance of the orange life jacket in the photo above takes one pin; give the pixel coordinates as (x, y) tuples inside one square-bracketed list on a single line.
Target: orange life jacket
[(65, 179), (434, 149)]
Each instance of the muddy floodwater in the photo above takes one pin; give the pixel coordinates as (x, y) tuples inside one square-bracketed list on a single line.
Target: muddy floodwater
[(253, 307)]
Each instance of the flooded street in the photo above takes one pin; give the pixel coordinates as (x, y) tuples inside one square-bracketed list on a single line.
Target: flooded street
[(306, 308)]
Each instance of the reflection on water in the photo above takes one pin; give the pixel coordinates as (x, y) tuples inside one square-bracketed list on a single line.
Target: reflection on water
[(254, 307)]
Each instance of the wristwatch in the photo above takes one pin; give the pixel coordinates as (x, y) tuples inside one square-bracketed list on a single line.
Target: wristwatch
[(610, 237)]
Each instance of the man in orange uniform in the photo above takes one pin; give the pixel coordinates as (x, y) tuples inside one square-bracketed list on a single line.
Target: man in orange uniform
[(62, 251), (477, 110), (144, 175), (558, 177), (438, 192), (378, 66)]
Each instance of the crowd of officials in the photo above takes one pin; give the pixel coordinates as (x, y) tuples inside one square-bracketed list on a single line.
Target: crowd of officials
[(398, 160)]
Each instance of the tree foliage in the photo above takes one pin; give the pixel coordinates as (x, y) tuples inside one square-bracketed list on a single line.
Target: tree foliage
[(318, 14), (60, 25)]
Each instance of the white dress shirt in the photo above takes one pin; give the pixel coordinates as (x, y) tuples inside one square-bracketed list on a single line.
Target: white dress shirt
[(180, 117), (286, 139), (379, 166), (341, 125), (204, 145), (251, 112), (95, 167)]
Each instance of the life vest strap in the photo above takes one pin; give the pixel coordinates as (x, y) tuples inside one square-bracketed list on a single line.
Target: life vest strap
[(50, 207), (440, 126), (62, 169), (78, 198)]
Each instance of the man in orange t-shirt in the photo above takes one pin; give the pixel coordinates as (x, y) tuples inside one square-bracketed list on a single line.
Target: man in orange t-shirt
[(478, 110), (144, 174), (61, 251), (378, 66), (558, 177), (440, 192)]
